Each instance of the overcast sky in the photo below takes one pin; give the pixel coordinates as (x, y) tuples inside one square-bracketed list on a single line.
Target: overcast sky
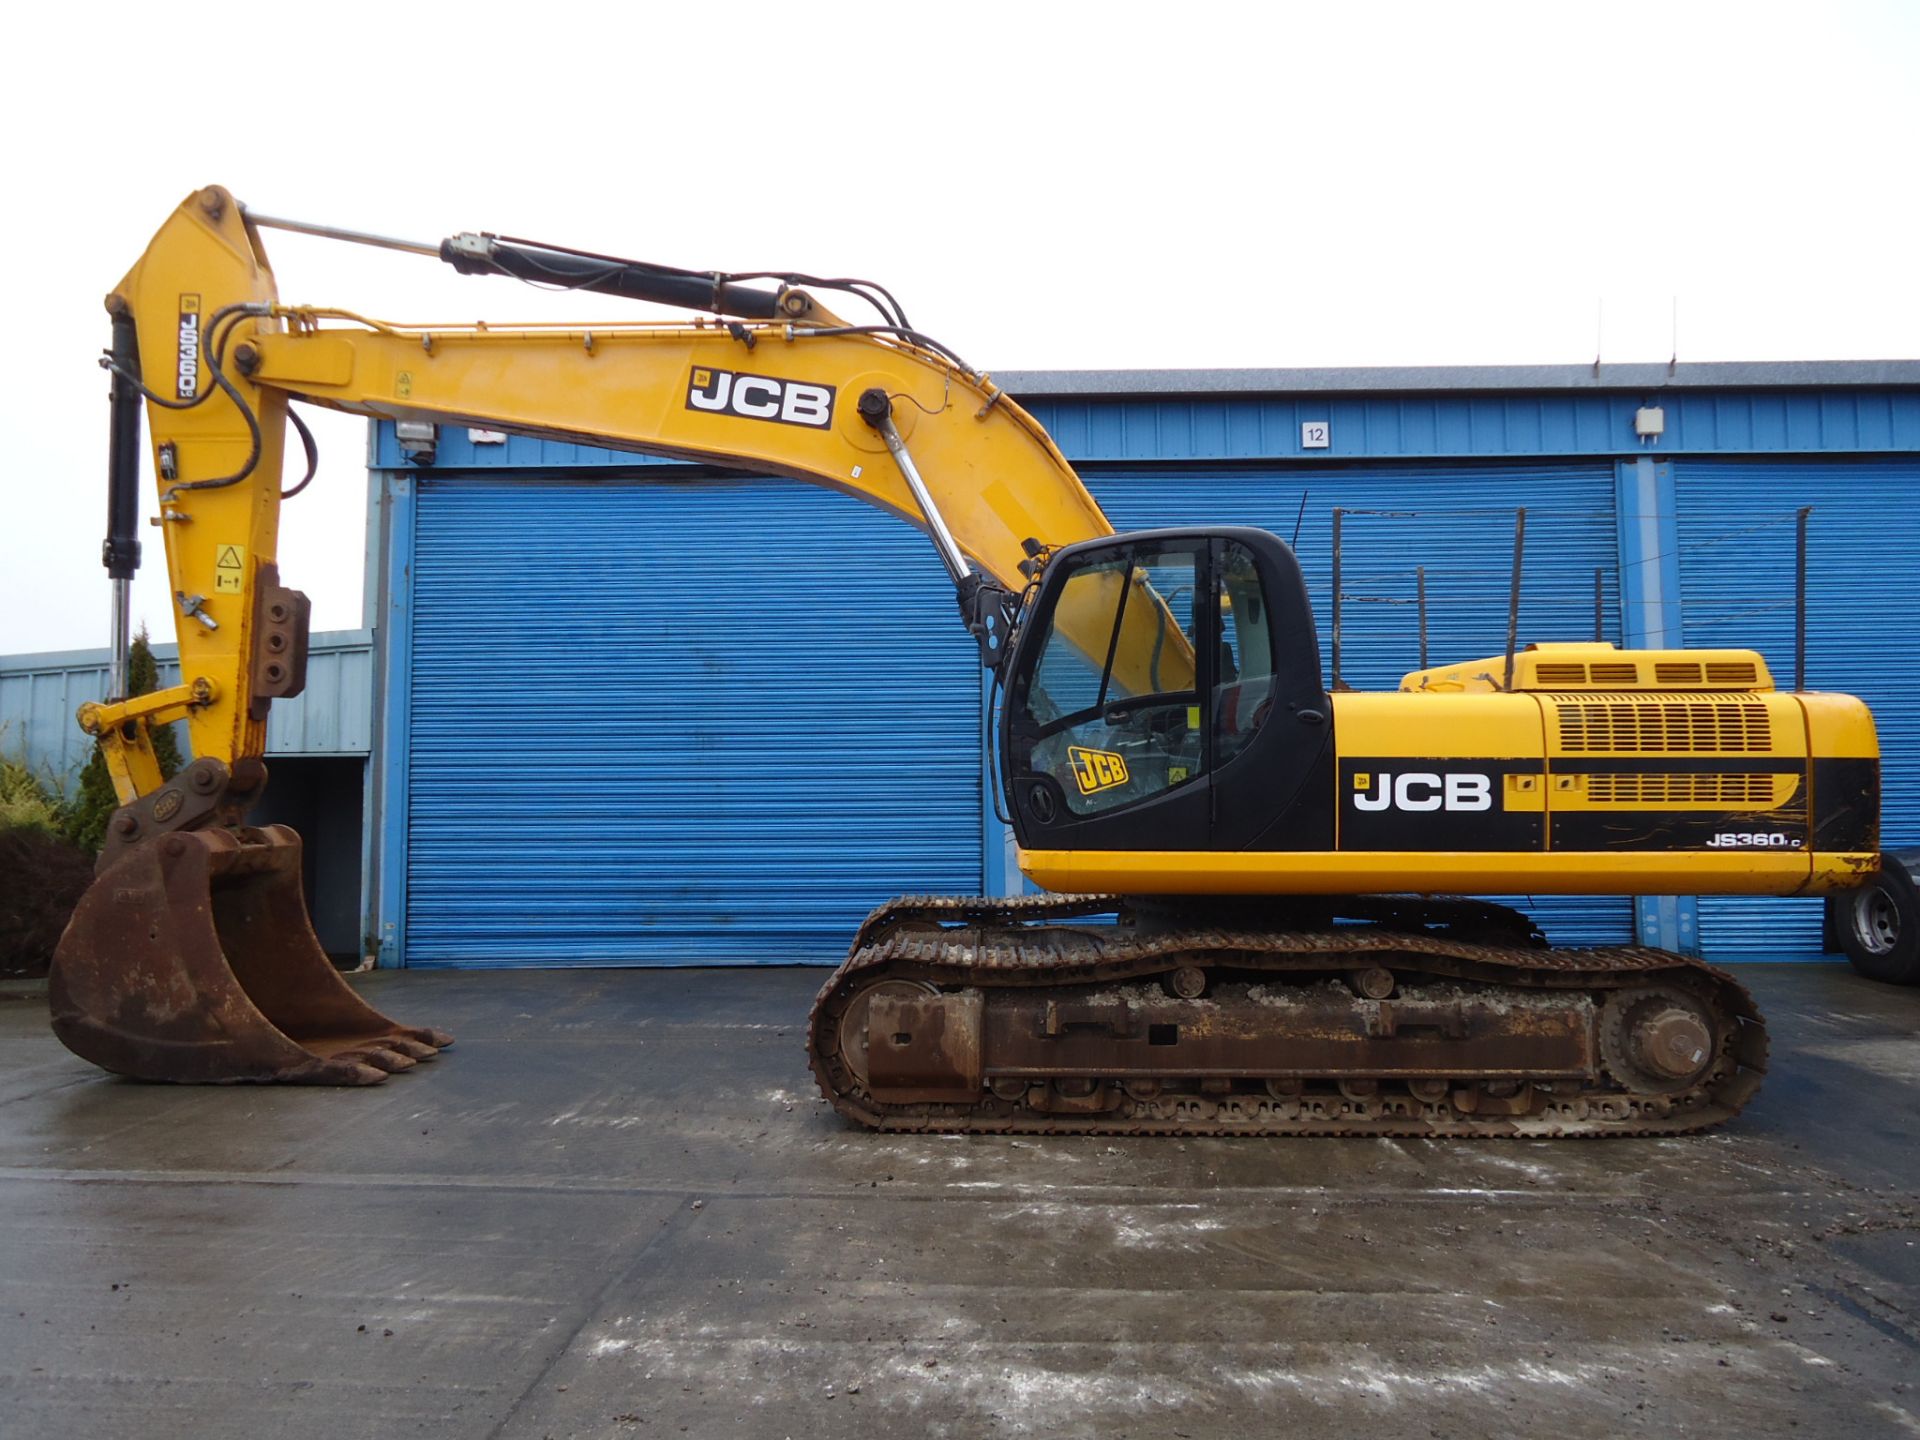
[(1100, 185)]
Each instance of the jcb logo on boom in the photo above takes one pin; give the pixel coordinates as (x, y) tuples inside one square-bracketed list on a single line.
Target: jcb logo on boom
[(186, 380), (760, 397), (1418, 790)]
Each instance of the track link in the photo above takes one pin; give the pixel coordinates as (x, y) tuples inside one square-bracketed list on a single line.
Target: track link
[(1015, 952)]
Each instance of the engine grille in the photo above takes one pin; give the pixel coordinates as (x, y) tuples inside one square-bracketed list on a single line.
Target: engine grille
[(1753, 791), (1714, 674), (1732, 673), (1622, 724)]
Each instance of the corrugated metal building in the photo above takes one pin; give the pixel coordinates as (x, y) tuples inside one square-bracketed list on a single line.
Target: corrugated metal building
[(317, 747), (629, 711)]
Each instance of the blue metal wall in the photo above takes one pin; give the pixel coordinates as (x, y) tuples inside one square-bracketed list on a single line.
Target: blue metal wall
[(1736, 558), (1765, 422), (684, 719)]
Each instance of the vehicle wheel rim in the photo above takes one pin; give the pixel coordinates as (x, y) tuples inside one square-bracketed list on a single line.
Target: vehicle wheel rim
[(1876, 921)]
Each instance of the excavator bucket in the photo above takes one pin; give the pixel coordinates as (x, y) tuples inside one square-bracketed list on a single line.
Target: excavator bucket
[(191, 959)]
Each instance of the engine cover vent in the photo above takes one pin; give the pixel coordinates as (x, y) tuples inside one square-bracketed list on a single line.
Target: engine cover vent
[(1597, 665), (1755, 791), (1625, 724)]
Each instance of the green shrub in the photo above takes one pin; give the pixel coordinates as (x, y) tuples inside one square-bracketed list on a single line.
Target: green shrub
[(46, 845), (24, 801), (42, 878), (85, 822), (42, 875)]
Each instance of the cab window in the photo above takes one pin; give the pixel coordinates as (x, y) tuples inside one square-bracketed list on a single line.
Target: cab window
[(1243, 682), (1113, 708)]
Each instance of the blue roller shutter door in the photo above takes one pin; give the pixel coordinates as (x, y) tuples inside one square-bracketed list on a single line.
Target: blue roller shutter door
[(1736, 536), (1455, 520), (691, 720)]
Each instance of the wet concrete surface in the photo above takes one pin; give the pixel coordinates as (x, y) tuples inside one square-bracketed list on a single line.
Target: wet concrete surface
[(617, 1209)]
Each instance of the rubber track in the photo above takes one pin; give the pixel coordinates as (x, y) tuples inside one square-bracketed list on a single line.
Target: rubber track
[(1019, 942)]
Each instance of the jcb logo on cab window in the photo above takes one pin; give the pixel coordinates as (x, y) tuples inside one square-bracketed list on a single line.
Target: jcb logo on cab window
[(1096, 769), (760, 397), (1416, 790)]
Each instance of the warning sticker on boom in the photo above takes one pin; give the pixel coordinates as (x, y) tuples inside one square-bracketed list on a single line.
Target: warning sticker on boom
[(229, 569)]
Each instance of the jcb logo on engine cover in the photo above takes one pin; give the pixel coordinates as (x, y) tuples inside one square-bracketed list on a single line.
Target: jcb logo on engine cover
[(1096, 769), (1420, 790), (186, 379), (760, 397)]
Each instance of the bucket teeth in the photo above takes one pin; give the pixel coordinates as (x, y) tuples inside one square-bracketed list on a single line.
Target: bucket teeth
[(413, 1050), (191, 959), (337, 1071), (381, 1058)]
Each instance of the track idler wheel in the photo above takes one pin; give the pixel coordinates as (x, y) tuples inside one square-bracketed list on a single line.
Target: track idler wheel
[(1659, 1040), (191, 959)]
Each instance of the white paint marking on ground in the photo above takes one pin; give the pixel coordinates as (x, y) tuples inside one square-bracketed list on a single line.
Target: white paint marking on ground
[(1392, 1387), (1887, 1057), (604, 1122), (1145, 1234), (1515, 1162), (1900, 1417), (1026, 1399), (1023, 1396)]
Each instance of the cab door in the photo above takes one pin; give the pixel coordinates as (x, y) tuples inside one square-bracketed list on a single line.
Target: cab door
[(1273, 754), (1154, 672), (1105, 710)]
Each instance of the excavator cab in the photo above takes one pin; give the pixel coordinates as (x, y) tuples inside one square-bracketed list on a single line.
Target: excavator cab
[(1159, 676)]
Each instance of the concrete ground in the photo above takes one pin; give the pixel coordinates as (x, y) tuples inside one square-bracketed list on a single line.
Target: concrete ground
[(617, 1209)]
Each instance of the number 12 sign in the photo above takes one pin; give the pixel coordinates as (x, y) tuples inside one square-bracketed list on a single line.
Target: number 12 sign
[(1315, 434)]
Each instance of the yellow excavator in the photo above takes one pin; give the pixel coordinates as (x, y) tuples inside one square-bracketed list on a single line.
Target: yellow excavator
[(1255, 925)]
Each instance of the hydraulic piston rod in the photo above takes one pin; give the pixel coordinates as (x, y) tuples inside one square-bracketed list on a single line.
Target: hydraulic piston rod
[(475, 254), (877, 410), (121, 552), (335, 232)]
